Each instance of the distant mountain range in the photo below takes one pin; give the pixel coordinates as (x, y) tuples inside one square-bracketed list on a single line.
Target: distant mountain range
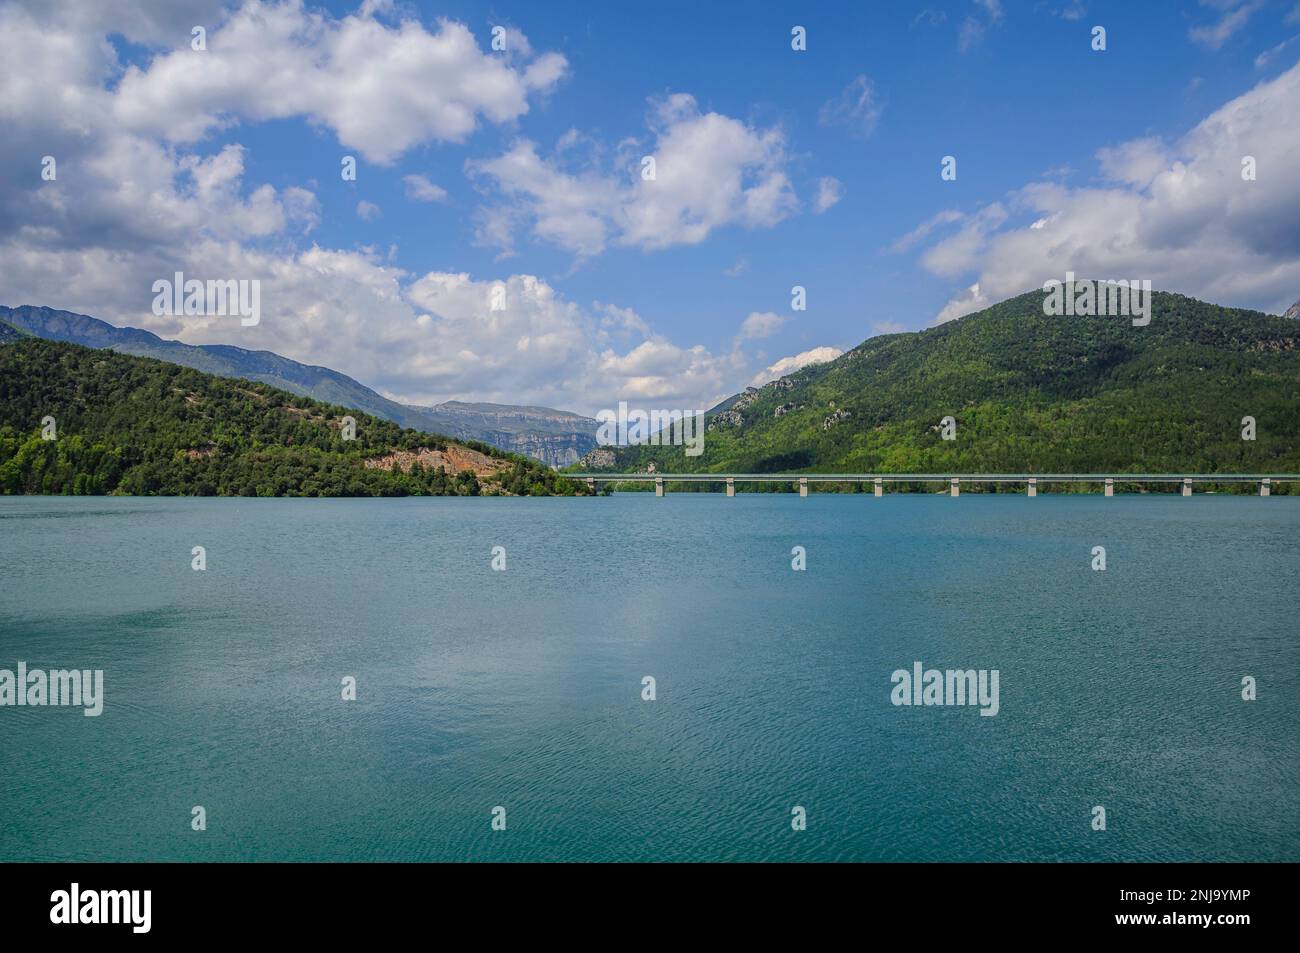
[(554, 437), (1027, 393)]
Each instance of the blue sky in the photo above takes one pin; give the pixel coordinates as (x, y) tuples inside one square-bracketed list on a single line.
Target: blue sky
[(1013, 90)]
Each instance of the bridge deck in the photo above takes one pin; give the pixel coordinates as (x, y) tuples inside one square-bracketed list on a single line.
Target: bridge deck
[(938, 477)]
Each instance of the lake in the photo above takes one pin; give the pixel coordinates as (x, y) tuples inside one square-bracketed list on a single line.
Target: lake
[(523, 689)]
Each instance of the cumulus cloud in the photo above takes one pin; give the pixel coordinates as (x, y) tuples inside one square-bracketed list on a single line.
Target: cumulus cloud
[(1134, 163), (368, 211), (760, 324), (788, 365), (380, 89), (1178, 213), (711, 171), (138, 197), (961, 251)]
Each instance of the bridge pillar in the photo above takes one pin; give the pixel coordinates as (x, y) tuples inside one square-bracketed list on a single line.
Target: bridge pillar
[(1264, 485), (803, 486), (1110, 486), (956, 487), (1187, 487), (1033, 487), (731, 486), (878, 487), (659, 486)]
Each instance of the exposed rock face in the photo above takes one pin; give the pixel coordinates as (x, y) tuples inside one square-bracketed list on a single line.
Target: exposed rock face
[(784, 409), (454, 460), (728, 418), (555, 437), (835, 418), (553, 449), (1293, 311), (750, 395), (601, 458)]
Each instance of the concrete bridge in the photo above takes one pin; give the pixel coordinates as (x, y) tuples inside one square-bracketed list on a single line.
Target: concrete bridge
[(952, 480)]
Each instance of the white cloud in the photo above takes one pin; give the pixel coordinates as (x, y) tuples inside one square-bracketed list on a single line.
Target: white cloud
[(788, 365), (420, 189), (417, 339), (829, 191), (368, 211), (960, 252), (1263, 59), (972, 299), (132, 205), (621, 320), (380, 89), (710, 171), (760, 324), (857, 107), (922, 231), (1134, 163), (152, 23), (1234, 14), (1178, 214)]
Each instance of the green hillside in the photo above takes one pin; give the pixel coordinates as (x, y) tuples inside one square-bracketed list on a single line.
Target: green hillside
[(1029, 393), (552, 436), (139, 426)]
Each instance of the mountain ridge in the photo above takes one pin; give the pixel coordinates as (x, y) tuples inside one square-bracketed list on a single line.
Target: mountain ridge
[(1028, 393), (553, 446)]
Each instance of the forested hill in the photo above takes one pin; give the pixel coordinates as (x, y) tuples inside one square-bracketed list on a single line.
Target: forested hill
[(140, 426), (552, 436), (1029, 393)]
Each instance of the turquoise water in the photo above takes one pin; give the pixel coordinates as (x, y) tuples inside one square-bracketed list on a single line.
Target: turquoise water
[(522, 688)]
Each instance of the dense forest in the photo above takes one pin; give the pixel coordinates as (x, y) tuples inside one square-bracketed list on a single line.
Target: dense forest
[(1028, 393), (130, 425)]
